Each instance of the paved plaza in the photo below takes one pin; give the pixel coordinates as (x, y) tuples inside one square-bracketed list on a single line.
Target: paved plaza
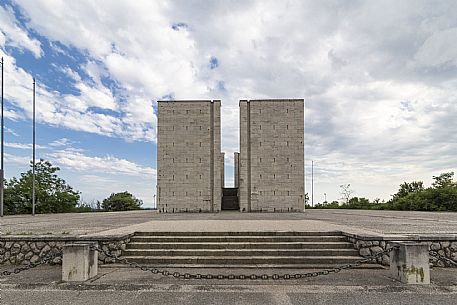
[(358, 221), (116, 284)]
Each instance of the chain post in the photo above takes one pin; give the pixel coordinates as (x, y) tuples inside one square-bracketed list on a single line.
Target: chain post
[(177, 274)]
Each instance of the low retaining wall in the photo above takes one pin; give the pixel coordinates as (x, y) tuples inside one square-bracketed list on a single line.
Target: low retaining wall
[(368, 245), (16, 250)]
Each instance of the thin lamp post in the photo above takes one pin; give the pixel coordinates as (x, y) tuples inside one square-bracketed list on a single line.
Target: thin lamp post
[(312, 183), (2, 170), (33, 154)]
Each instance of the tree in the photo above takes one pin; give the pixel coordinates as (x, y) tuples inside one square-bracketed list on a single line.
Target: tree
[(121, 202), (358, 203), (52, 194), (442, 196), (346, 192), (406, 188), (444, 180), (306, 198)]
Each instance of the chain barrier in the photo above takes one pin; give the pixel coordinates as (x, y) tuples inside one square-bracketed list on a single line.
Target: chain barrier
[(46, 259), (50, 257), (209, 276), (442, 258)]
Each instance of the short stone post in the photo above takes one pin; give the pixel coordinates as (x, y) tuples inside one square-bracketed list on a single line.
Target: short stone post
[(409, 263), (79, 262)]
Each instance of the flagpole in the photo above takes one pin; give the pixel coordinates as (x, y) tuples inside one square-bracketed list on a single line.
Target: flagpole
[(2, 170), (33, 156), (312, 183)]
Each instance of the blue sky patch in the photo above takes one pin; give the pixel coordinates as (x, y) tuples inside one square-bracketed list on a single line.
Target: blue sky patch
[(179, 26), (213, 63)]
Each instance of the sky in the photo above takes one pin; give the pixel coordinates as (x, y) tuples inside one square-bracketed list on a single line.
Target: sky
[(379, 79)]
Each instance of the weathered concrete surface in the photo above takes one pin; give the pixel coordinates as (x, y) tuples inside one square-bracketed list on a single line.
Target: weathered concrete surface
[(390, 222), (233, 226), (409, 263), (376, 222), (271, 158), (70, 223), (79, 262), (189, 159), (126, 286)]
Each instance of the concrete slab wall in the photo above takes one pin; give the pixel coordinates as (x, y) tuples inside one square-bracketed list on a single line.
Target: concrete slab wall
[(272, 155), (236, 168), (218, 158), (188, 156), (244, 158)]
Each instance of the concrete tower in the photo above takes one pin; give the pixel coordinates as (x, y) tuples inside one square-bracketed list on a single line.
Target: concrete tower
[(189, 159), (271, 159)]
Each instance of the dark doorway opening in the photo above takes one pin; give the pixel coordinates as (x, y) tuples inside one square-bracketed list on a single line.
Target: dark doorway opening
[(230, 199)]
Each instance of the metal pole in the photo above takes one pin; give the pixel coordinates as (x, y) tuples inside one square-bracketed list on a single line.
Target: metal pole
[(2, 170), (312, 183), (33, 155), (325, 197)]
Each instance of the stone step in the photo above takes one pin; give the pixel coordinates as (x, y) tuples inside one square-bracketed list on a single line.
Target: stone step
[(237, 260), (241, 252), (237, 238), (240, 245), (264, 233), (240, 269)]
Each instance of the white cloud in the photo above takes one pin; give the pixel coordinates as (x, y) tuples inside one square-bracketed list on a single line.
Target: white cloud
[(23, 145), (71, 111), (11, 34), (76, 160), (98, 176), (9, 158), (99, 96), (439, 49), (98, 187), (356, 63), (11, 131), (61, 142)]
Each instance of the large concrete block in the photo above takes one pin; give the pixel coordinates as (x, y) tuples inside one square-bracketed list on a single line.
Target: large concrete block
[(409, 263), (79, 262), (271, 170), (188, 156)]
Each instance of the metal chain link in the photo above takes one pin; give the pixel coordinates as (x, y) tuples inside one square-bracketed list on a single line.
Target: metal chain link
[(46, 259), (443, 258), (50, 257), (209, 276)]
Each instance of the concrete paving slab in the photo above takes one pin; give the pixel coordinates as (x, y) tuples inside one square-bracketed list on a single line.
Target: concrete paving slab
[(126, 286), (234, 225), (70, 223), (355, 221), (391, 222)]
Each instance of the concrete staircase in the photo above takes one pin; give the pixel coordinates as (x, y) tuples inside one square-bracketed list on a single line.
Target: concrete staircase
[(241, 249)]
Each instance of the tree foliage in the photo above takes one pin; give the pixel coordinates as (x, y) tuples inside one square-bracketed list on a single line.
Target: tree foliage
[(52, 194), (121, 202), (346, 192), (407, 188), (306, 198), (411, 196), (444, 180)]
